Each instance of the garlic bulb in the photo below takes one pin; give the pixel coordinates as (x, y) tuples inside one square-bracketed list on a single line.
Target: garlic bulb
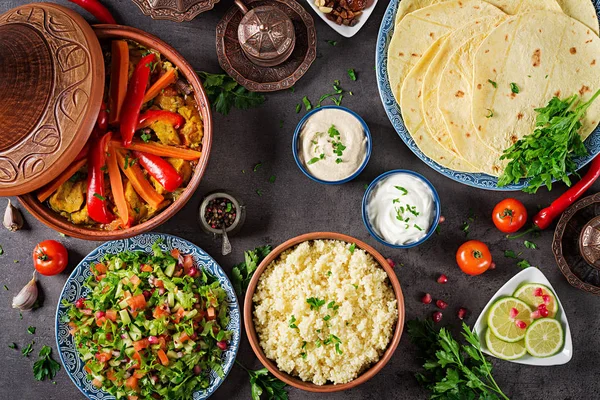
[(13, 220), (26, 298)]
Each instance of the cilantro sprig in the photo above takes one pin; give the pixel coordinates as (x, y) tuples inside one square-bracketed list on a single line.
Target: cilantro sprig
[(264, 385), (45, 367), (242, 273), (224, 93)]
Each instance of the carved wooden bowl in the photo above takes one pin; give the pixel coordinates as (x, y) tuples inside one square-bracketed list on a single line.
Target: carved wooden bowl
[(575, 244), (55, 221), (175, 10)]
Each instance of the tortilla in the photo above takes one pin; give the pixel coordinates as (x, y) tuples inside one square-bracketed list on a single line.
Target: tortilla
[(418, 30), (583, 11), (510, 7), (543, 54), (429, 99), (413, 116), (456, 110)]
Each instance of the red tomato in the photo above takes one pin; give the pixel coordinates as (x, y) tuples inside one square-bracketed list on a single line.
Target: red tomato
[(474, 257), (509, 215), (50, 257)]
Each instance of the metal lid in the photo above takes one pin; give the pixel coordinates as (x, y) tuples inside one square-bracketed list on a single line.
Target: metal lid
[(175, 10), (52, 82)]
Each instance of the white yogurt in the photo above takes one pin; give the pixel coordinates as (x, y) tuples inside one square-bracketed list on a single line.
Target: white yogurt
[(401, 209), (332, 145)]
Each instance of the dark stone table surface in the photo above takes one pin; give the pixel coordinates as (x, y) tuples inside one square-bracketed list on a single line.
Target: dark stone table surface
[(294, 205)]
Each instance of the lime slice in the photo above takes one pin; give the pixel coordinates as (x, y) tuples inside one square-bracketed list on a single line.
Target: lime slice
[(528, 292), (502, 349), (544, 338), (502, 322)]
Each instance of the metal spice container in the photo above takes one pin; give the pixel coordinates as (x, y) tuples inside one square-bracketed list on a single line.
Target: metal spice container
[(230, 226)]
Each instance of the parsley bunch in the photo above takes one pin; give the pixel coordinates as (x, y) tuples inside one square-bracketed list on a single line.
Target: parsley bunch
[(224, 93), (453, 371), (264, 385), (548, 153), (45, 367), (242, 273)]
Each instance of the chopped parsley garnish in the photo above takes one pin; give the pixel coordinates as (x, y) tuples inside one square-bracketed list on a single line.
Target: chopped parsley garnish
[(490, 113), (403, 190), (511, 254), (352, 248), (328, 273), (272, 179), (303, 355), (352, 74), (259, 192), (315, 303), (104, 168), (412, 210), (307, 104), (523, 264), (530, 245), (26, 351), (355, 286), (292, 322), (331, 42), (31, 330), (465, 228), (145, 137), (338, 161), (5, 287), (327, 317), (494, 84), (332, 305), (298, 108), (337, 349), (514, 88), (12, 346), (99, 197), (418, 227), (315, 159), (257, 166), (224, 93)]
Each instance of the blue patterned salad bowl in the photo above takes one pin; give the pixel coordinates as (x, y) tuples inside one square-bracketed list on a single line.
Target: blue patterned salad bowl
[(73, 290)]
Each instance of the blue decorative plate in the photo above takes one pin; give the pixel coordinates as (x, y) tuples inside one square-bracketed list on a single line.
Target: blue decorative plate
[(73, 290), (392, 109)]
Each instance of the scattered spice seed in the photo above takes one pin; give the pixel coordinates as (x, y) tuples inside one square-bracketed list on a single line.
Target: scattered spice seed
[(220, 213)]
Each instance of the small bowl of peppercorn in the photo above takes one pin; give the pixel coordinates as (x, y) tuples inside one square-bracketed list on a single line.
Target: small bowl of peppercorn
[(221, 213)]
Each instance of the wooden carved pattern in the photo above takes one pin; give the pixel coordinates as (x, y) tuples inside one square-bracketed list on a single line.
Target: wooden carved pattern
[(69, 99), (175, 10), (267, 79), (559, 237)]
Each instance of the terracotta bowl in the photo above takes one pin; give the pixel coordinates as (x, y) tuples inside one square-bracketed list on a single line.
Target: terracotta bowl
[(58, 223), (292, 380)]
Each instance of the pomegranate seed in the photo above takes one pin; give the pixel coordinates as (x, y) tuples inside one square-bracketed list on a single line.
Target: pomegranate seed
[(152, 340), (462, 312), (100, 314), (514, 312), (441, 304), (222, 345), (391, 262), (544, 312), (546, 299), (536, 314), (80, 303), (442, 279), (154, 379), (538, 292), (197, 370), (442, 219), (437, 316), (146, 294), (426, 299), (492, 265), (520, 324), (542, 307), (194, 336)]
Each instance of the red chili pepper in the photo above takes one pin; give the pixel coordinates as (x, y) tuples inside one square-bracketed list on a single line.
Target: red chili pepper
[(95, 8), (152, 116), (160, 170), (102, 122), (134, 98), (96, 202)]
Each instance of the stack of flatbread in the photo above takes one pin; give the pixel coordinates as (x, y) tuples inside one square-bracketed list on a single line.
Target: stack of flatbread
[(469, 74)]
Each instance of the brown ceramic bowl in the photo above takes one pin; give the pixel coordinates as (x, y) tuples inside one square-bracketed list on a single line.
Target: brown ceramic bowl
[(56, 222), (292, 380)]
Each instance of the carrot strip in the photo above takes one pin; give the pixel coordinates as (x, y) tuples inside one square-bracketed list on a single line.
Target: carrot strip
[(119, 77), (45, 192), (116, 185), (167, 79), (139, 182), (162, 150)]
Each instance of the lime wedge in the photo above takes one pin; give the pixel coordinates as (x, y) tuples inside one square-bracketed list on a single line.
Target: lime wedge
[(502, 349), (503, 322), (544, 338), (528, 291)]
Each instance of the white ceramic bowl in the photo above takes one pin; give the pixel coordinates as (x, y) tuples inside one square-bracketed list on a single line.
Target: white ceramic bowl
[(346, 31), (529, 275)]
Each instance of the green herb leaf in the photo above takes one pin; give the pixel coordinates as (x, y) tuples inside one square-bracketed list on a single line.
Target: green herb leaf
[(514, 88), (307, 104), (523, 264), (331, 42), (314, 160), (352, 74), (146, 137), (315, 303), (28, 349), (403, 190), (45, 366), (5, 287), (31, 330), (510, 254), (418, 227), (257, 166), (298, 108), (292, 322), (12, 346), (1, 250), (530, 245), (242, 273), (494, 84), (272, 179), (99, 197), (224, 93), (352, 248)]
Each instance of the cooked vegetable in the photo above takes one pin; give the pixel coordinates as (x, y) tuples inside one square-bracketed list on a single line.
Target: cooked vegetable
[(509, 215), (45, 367), (152, 116), (143, 330), (13, 220), (116, 185), (26, 298), (474, 257), (50, 257), (139, 182), (162, 150), (164, 81), (549, 152), (160, 170), (134, 98), (119, 74), (96, 196), (95, 8), (45, 192), (242, 273)]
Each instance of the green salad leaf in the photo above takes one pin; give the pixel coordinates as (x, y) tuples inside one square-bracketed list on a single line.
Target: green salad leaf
[(242, 272)]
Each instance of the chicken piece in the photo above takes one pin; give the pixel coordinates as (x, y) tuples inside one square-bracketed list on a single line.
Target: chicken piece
[(69, 197), (137, 208), (192, 131), (169, 102), (183, 168), (81, 217), (165, 133)]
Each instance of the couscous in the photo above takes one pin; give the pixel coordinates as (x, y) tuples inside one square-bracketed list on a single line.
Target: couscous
[(324, 311)]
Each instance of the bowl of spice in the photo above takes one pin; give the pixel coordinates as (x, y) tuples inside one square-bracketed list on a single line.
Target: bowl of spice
[(220, 212)]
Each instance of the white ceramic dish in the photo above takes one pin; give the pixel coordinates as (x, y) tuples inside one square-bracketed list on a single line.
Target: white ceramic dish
[(345, 31), (529, 275)]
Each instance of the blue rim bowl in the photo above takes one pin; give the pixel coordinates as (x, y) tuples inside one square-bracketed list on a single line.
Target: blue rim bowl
[(365, 216), (297, 136)]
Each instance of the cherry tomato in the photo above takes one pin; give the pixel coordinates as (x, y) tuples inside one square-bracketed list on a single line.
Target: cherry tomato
[(509, 215), (474, 257), (50, 257)]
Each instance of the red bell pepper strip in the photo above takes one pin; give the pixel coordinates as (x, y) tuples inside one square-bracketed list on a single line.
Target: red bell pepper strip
[(136, 90), (152, 116), (95, 8), (160, 170), (96, 202)]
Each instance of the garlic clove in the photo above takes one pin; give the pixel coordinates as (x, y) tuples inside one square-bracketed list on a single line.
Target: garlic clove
[(13, 220), (26, 298)]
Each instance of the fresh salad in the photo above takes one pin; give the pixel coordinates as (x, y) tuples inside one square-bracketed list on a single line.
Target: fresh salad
[(152, 326)]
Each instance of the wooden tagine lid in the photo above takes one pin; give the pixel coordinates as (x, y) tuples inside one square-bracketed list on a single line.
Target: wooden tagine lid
[(52, 82), (174, 10)]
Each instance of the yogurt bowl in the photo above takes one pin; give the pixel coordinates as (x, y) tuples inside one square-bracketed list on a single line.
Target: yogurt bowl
[(401, 209), (332, 145)]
